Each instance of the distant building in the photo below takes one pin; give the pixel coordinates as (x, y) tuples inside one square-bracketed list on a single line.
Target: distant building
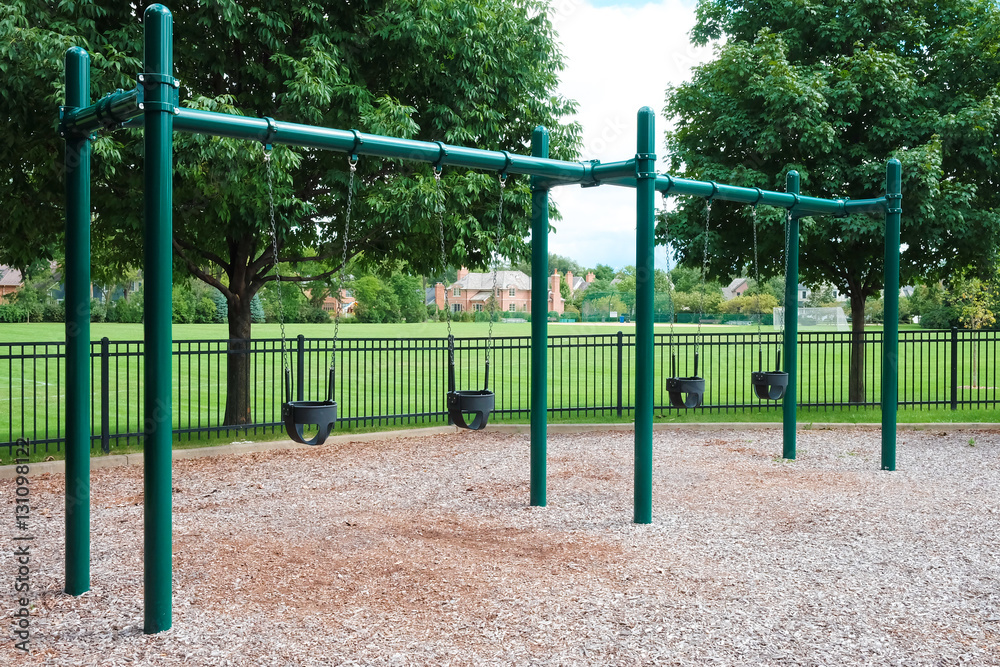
[(472, 291), (346, 302), (10, 281), (578, 284), (738, 287)]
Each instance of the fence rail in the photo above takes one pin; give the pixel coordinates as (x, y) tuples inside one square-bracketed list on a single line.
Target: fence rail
[(386, 382)]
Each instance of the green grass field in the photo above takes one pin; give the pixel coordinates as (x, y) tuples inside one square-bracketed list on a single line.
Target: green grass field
[(403, 372)]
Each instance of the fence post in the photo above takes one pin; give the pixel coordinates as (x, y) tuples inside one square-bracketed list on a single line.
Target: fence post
[(954, 368), (300, 368), (621, 337), (105, 397)]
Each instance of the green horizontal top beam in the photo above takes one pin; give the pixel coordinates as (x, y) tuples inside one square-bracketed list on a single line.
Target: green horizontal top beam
[(801, 205), (122, 107), (359, 143), (877, 205)]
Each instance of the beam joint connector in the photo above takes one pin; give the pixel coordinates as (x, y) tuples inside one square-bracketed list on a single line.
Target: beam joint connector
[(588, 180), (642, 159), (442, 154), (269, 134)]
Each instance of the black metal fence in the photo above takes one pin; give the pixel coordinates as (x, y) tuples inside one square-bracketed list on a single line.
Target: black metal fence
[(387, 382)]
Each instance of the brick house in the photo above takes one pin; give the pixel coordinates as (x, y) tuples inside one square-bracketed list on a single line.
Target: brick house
[(346, 301), (471, 292), (578, 284), (738, 287), (10, 281)]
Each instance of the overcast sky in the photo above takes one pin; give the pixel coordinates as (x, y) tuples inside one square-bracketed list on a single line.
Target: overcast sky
[(620, 56)]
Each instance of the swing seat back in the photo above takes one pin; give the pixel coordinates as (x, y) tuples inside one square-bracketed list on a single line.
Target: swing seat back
[(479, 404), (686, 392), (299, 414), (769, 385)]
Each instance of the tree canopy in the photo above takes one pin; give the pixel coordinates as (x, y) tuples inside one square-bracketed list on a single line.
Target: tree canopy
[(480, 73), (833, 88), (477, 73)]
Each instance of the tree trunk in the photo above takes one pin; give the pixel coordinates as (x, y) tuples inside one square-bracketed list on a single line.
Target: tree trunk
[(238, 358), (238, 363), (856, 380)]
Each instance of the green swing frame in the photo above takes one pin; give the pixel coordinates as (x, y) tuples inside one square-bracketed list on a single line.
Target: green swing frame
[(154, 105)]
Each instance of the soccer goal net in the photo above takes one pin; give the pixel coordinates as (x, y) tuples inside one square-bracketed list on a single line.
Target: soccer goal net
[(827, 318)]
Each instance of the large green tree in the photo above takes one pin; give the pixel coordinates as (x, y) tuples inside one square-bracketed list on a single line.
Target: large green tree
[(480, 73), (833, 88)]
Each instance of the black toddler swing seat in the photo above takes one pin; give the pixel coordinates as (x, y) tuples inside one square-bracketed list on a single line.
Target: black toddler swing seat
[(769, 385), (686, 392), (298, 414), (476, 403)]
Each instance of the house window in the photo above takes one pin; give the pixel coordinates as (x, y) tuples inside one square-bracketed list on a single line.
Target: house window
[(512, 291), (511, 308), (457, 291), (456, 307), (479, 307)]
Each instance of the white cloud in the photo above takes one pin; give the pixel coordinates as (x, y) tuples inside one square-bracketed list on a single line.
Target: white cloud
[(618, 58)]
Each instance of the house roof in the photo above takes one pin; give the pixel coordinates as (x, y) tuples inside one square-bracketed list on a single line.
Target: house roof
[(484, 281), (481, 296), (729, 292), (9, 277), (579, 284)]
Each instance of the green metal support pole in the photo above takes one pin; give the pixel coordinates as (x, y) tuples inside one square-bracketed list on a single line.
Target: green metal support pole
[(645, 385), (890, 335), (791, 333), (158, 255), (539, 322), (77, 305)]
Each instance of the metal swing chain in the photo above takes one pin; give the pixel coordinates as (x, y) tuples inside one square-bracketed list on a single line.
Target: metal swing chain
[(352, 163), (704, 271), (670, 282), (670, 289), (788, 242), (277, 273), (756, 268), (496, 266), (444, 255)]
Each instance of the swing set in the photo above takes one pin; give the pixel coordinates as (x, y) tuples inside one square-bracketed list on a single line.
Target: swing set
[(154, 105)]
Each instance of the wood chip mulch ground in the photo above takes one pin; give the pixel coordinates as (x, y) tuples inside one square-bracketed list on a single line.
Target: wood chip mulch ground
[(423, 551)]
